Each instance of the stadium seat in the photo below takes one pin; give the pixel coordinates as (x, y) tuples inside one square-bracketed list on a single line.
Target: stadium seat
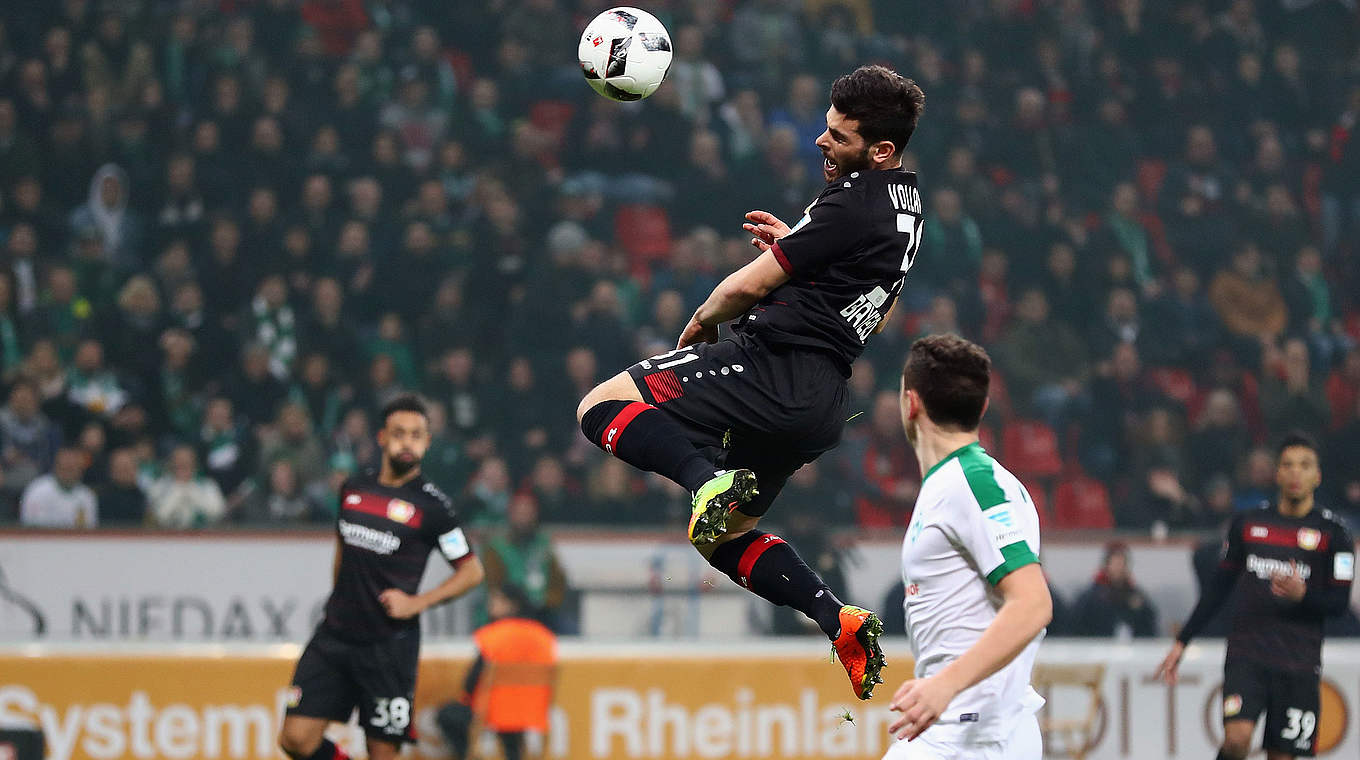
[(1151, 173), (644, 232), (1082, 503), (987, 437), (552, 117), (999, 405), (1030, 449), (1039, 494), (1175, 383)]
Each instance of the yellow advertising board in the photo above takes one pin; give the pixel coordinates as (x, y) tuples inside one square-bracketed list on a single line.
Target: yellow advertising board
[(102, 707), (640, 700)]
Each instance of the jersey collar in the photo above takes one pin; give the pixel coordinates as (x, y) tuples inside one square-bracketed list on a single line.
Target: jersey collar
[(953, 455)]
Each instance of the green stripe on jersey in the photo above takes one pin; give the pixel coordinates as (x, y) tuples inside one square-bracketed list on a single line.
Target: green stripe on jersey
[(977, 469), (1016, 555)]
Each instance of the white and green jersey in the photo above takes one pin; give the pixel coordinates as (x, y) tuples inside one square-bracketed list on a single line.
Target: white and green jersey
[(974, 522)]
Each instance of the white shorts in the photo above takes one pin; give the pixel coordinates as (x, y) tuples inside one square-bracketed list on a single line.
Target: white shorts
[(1024, 743)]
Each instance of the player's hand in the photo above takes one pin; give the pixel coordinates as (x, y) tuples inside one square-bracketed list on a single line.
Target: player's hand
[(696, 332), (920, 701), (1167, 671), (1290, 585), (399, 605), (765, 229)]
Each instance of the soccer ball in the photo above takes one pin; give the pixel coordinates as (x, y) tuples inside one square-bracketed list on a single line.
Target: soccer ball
[(625, 53)]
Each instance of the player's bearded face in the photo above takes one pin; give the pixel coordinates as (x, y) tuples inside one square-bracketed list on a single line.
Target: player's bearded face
[(404, 441), (843, 149)]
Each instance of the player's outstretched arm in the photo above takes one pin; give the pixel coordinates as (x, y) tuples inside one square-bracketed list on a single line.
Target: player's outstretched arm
[(738, 292), (401, 605), (1026, 609)]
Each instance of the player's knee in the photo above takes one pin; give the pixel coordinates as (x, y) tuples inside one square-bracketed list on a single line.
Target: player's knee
[(1234, 748), (298, 742)]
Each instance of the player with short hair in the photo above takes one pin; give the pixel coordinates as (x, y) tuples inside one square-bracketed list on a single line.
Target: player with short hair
[(1290, 566), (365, 651), (732, 419), (976, 599)]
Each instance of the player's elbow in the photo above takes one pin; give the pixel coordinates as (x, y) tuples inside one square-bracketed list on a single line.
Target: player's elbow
[(474, 571)]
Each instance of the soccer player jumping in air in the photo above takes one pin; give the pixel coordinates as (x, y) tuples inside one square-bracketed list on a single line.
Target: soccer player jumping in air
[(732, 419)]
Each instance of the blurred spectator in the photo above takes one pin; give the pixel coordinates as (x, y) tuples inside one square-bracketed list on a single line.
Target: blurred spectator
[(106, 215), (1044, 361), (291, 438), (227, 449), (1220, 438), (92, 386), (1255, 479), (255, 393), (1291, 397), (1311, 310), (1182, 324), (122, 500), (1343, 389), (279, 497), (182, 498), (1247, 301), (522, 556), (28, 439), (876, 456), (58, 499), (1114, 606)]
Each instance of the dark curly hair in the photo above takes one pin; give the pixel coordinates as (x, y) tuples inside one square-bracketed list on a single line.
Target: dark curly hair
[(885, 103)]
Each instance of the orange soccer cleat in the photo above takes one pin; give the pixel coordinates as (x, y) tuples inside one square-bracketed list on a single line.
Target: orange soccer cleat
[(858, 650)]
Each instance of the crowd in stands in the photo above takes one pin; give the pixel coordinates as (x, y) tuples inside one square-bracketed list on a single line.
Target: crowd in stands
[(232, 229)]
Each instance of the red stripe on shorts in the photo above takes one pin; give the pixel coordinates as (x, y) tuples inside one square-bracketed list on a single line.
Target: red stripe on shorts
[(664, 386), (620, 423), (752, 553)]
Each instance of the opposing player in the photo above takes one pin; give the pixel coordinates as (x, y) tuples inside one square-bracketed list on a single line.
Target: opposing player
[(732, 419), (1291, 565), (365, 651), (976, 599)]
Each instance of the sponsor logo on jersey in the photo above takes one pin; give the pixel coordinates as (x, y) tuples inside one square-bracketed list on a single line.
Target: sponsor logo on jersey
[(1266, 568), (1309, 538), (294, 696), (363, 537), (400, 511), (912, 589), (1232, 705), (1259, 531), (353, 498)]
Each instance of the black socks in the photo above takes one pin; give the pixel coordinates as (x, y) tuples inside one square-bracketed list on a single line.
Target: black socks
[(645, 437), (765, 564)]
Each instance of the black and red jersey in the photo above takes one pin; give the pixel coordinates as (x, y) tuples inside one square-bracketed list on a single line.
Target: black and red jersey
[(1258, 544), (847, 260), (386, 535)]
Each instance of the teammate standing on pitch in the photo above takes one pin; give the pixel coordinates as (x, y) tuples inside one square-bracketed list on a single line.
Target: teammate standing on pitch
[(772, 397), (365, 651), (976, 599), (1291, 564)]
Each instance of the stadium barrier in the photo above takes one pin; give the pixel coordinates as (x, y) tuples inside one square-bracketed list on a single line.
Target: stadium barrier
[(761, 698), (269, 587)]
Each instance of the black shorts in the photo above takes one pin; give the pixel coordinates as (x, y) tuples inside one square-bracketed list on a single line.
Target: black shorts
[(334, 676), (769, 409), (1290, 699)]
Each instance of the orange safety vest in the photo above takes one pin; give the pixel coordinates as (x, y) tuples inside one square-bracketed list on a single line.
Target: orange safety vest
[(516, 640)]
